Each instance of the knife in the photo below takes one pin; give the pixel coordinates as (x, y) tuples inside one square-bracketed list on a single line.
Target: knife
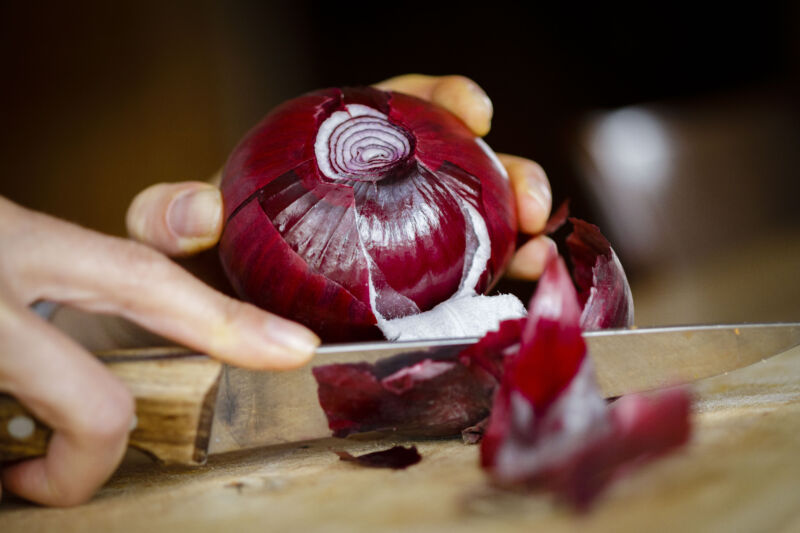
[(189, 405)]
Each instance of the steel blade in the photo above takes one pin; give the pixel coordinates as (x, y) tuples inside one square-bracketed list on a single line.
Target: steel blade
[(264, 408), (635, 360)]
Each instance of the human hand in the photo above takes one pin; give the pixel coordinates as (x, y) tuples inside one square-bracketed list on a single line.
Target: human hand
[(183, 218), (65, 387)]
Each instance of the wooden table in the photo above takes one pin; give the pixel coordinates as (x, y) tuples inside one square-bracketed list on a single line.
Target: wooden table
[(740, 472)]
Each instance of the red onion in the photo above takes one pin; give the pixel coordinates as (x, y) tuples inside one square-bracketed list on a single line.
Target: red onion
[(350, 207)]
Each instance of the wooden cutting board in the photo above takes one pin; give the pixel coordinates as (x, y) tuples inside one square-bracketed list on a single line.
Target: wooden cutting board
[(740, 472)]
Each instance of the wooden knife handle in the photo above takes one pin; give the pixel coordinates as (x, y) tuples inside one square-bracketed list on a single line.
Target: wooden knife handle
[(175, 392)]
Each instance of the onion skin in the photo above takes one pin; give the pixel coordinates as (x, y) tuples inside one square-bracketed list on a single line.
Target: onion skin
[(604, 292), (396, 458), (550, 428), (424, 394), (331, 251)]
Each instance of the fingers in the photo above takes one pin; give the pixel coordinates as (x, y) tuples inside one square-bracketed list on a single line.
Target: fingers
[(89, 410), (531, 190), (174, 304), (534, 201), (529, 261), (177, 218), (104, 274), (459, 95)]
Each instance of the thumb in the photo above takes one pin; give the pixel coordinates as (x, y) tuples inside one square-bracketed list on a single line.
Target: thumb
[(177, 218)]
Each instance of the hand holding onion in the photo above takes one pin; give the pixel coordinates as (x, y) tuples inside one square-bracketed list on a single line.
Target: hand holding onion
[(355, 151)]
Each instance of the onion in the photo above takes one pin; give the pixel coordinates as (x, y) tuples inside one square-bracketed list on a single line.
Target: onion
[(348, 209)]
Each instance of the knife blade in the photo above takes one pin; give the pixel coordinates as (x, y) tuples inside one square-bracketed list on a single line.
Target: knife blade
[(189, 405), (257, 409)]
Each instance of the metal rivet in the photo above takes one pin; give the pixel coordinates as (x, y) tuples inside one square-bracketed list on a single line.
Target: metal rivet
[(21, 427)]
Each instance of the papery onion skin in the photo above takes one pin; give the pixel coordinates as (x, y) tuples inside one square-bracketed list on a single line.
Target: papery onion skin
[(421, 394), (329, 250), (603, 287), (550, 427), (396, 457)]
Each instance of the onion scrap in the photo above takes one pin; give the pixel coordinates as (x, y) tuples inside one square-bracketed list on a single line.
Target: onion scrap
[(548, 426)]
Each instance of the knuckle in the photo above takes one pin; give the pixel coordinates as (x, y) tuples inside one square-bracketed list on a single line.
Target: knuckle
[(235, 312), (228, 342), (141, 263)]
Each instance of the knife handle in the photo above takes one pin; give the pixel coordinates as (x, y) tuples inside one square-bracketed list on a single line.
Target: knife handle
[(175, 393)]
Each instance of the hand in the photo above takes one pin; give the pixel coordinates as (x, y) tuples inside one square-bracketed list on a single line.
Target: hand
[(65, 387), (184, 218)]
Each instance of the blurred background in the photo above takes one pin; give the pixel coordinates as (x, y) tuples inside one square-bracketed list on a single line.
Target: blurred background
[(673, 126)]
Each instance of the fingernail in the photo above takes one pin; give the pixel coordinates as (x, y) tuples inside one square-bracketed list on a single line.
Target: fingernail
[(540, 192), (479, 94), (195, 214), (299, 341)]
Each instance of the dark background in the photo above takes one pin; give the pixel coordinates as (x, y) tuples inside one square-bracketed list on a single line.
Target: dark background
[(102, 99)]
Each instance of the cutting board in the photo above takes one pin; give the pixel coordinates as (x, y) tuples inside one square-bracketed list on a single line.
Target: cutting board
[(740, 472)]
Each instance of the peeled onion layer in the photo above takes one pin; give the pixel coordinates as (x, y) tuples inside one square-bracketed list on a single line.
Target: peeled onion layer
[(604, 291), (551, 428), (548, 427), (383, 204), (419, 394)]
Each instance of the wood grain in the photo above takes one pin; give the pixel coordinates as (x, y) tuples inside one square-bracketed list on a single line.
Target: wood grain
[(739, 473), (175, 393)]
